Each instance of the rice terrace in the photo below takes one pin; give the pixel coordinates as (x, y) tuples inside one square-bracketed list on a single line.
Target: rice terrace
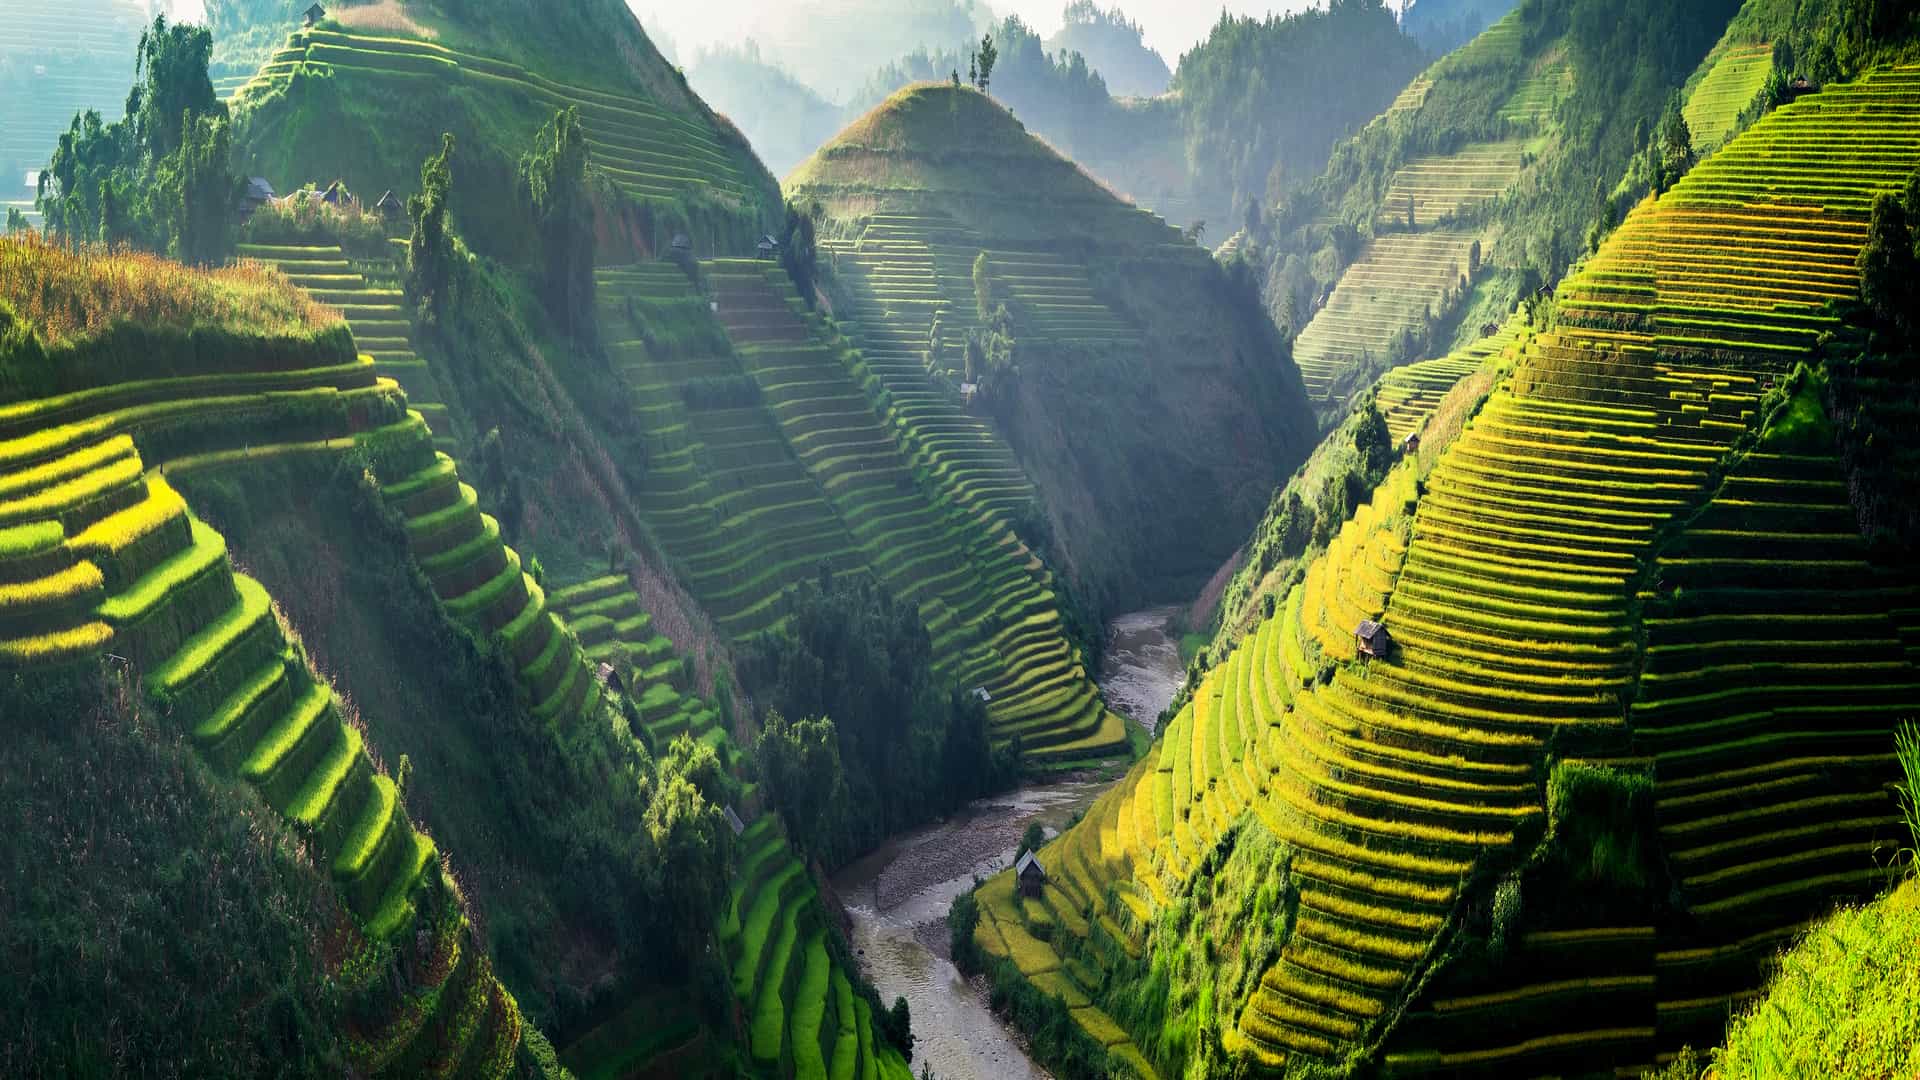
[(1323, 540)]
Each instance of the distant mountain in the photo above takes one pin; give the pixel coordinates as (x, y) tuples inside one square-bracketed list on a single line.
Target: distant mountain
[(782, 117), (1441, 26), (1113, 47)]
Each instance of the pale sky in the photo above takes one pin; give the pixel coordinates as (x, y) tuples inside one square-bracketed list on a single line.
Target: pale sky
[(1172, 26)]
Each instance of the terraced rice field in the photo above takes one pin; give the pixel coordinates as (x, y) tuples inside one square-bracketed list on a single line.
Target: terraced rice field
[(902, 292), (987, 602), (1774, 674), (1408, 396), (919, 264), (606, 616), (1546, 85), (479, 580), (648, 151), (1732, 83), (803, 1017), (723, 491), (70, 57), (1410, 99), (100, 555), (1444, 185), (376, 315), (1386, 292), (1511, 590)]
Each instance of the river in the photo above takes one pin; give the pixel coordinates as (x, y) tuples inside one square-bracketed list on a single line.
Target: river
[(898, 895)]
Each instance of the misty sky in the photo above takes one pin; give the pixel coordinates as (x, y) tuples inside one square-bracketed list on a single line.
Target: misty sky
[(1172, 26)]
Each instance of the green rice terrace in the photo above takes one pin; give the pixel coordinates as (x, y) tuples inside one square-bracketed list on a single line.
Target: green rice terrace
[(1638, 564), (104, 558), (770, 460), (375, 314), (1391, 290), (1734, 79), (648, 151), (804, 1018)]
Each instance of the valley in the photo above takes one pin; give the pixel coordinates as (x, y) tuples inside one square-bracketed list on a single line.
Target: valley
[(933, 541)]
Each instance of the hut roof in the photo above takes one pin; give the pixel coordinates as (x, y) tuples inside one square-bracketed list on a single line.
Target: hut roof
[(1028, 861)]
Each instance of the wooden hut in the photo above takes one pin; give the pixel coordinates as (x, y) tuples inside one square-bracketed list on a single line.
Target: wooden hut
[(1373, 638), (1032, 877), (312, 16)]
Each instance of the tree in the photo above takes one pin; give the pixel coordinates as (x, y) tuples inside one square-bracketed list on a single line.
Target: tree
[(899, 1026), (800, 761), (553, 179), (799, 250), (695, 848), (982, 285), (197, 190), (16, 222), (161, 177), (987, 57), (430, 258), (1888, 266), (1373, 444), (1031, 839)]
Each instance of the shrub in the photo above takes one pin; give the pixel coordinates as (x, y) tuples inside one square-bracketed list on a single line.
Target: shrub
[(1600, 819)]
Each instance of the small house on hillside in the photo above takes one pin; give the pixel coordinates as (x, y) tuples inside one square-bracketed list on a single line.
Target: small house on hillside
[(733, 820), (1373, 638), (1410, 444), (390, 206), (337, 194), (1031, 876), (257, 194), (681, 243), (609, 677), (1801, 87), (312, 16), (767, 246)]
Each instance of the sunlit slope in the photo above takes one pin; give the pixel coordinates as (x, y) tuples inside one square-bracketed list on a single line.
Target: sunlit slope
[(1524, 590), (102, 557), (1733, 80)]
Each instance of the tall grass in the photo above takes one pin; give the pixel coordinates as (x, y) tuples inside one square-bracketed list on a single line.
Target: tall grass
[(69, 294), (1906, 747)]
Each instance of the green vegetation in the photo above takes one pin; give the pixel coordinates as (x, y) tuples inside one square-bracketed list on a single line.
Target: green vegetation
[(901, 748), (1839, 1005), (161, 177)]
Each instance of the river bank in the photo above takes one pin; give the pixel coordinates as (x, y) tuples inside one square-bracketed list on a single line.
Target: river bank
[(898, 895)]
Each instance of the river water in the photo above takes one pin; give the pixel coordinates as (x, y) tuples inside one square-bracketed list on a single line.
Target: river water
[(898, 895)]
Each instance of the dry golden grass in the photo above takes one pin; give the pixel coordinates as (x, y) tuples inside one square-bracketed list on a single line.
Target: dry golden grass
[(382, 16), (67, 294)]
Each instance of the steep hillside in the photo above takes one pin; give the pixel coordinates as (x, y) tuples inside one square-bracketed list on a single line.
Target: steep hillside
[(122, 604), (366, 102), (1475, 187), (1138, 384), (1636, 720)]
